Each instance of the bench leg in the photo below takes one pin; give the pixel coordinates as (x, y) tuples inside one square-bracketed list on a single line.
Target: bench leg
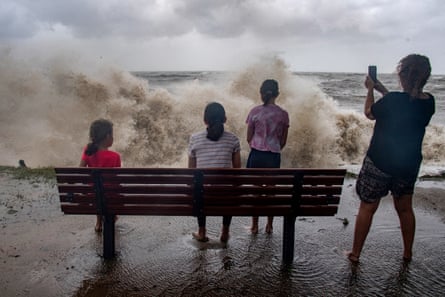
[(288, 239), (108, 239)]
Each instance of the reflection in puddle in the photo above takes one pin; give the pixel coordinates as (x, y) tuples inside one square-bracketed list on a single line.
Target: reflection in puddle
[(158, 257)]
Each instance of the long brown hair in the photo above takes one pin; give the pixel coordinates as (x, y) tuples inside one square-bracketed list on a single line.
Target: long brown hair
[(414, 71)]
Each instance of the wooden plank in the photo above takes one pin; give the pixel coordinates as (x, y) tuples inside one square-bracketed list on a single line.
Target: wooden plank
[(79, 209), (74, 178), (150, 199), (148, 179), (154, 210), (250, 200), (76, 188), (321, 190), (152, 189), (77, 198)]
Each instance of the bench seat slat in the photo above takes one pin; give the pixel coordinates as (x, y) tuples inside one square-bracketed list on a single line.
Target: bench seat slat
[(271, 180), (150, 199), (76, 188), (149, 189), (79, 209), (155, 210), (77, 198), (75, 178), (219, 190), (148, 179)]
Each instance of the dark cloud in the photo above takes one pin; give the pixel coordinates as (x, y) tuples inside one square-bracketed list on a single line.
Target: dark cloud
[(219, 19)]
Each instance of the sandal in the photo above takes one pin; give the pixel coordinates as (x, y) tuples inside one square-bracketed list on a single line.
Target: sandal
[(200, 238)]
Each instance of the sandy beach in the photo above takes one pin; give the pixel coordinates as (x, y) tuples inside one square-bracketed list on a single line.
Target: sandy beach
[(46, 253)]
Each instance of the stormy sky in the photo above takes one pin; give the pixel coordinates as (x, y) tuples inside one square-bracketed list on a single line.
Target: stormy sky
[(309, 35)]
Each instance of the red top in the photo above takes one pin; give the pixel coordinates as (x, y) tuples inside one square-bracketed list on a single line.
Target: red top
[(102, 159)]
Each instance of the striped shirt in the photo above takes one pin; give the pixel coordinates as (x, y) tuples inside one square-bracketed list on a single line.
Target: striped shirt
[(213, 154)]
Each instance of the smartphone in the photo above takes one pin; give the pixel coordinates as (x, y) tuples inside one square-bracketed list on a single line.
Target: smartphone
[(372, 72)]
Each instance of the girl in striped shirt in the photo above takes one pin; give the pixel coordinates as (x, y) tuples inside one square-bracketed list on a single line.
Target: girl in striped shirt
[(214, 148)]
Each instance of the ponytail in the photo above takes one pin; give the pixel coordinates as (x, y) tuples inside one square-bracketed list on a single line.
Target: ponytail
[(99, 130), (91, 149), (214, 117), (269, 90)]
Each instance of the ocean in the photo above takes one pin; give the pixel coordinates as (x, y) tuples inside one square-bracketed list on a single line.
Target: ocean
[(45, 114), (46, 111)]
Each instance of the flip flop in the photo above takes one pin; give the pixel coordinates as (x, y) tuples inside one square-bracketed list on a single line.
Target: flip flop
[(199, 238)]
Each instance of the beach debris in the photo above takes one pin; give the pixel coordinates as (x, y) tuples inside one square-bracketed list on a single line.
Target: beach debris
[(344, 220)]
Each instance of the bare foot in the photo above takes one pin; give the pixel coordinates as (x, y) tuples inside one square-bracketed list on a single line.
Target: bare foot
[(98, 227), (200, 237), (269, 229), (353, 258), (254, 229)]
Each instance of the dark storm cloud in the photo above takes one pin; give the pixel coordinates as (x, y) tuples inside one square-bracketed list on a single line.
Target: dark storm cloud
[(265, 19), (150, 18)]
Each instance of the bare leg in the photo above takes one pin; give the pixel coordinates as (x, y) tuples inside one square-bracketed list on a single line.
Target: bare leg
[(254, 228), (404, 208), (98, 227), (225, 229), (225, 234), (362, 225), (269, 226), (201, 234)]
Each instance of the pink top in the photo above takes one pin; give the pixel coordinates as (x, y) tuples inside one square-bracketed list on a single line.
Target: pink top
[(268, 123), (102, 159)]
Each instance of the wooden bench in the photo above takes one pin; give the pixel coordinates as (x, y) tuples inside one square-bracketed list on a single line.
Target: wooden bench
[(188, 192)]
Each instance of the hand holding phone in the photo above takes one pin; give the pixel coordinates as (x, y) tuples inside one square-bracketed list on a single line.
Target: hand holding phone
[(372, 72)]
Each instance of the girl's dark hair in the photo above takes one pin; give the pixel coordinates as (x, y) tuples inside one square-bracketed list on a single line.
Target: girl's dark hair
[(99, 130), (269, 90), (414, 70), (214, 116)]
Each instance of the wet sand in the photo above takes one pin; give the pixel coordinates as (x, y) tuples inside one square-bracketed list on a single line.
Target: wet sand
[(46, 253)]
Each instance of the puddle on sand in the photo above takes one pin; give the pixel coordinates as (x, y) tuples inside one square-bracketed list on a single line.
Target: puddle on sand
[(158, 257)]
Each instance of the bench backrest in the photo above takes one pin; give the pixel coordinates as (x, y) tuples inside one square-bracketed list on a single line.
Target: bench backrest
[(213, 192)]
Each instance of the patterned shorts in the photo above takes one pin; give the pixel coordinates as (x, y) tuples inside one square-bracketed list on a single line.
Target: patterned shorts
[(373, 184)]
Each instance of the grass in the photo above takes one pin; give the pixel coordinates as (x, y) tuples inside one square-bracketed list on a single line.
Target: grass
[(42, 173)]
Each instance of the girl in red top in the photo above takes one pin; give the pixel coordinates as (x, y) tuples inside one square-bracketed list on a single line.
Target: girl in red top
[(96, 153)]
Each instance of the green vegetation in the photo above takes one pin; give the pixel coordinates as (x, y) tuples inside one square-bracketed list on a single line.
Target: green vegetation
[(41, 173)]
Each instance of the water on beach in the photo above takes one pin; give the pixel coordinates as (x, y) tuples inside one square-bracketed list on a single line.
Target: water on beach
[(45, 113)]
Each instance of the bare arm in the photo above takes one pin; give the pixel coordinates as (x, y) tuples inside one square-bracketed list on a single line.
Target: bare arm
[(250, 132), (236, 159), (371, 86), (83, 163), (283, 139)]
